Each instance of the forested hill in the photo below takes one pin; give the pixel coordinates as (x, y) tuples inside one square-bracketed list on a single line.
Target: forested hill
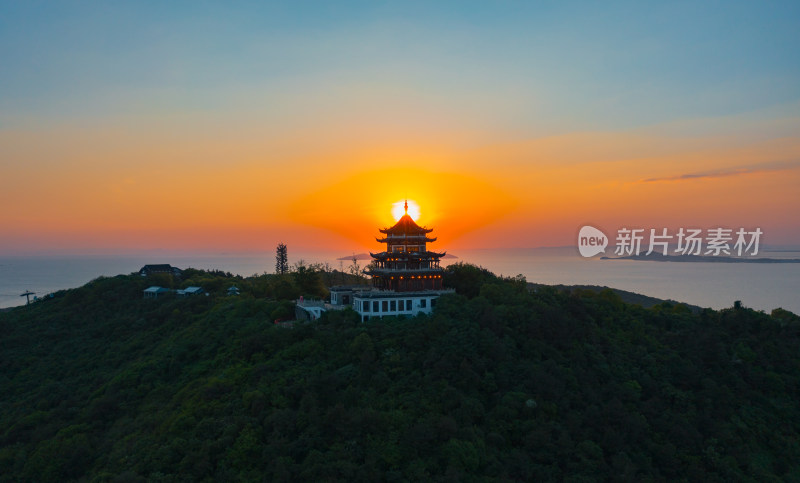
[(501, 383)]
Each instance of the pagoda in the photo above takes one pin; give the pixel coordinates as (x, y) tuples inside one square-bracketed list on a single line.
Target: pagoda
[(406, 265)]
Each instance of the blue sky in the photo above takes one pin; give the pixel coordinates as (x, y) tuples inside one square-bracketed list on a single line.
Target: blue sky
[(570, 64)]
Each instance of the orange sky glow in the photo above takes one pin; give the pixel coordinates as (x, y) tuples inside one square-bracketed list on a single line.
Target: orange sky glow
[(233, 129), (173, 194)]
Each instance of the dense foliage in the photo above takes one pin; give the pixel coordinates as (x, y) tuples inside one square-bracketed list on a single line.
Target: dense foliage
[(501, 383)]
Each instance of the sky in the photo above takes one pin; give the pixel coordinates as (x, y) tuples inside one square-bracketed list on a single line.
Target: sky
[(236, 125)]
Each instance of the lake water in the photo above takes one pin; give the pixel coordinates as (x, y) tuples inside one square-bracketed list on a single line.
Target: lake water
[(715, 285)]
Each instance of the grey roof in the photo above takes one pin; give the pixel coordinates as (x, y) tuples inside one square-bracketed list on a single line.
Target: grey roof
[(156, 289), (159, 267), (391, 294), (350, 288)]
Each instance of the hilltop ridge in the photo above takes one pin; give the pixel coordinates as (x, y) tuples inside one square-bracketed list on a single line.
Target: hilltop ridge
[(500, 383)]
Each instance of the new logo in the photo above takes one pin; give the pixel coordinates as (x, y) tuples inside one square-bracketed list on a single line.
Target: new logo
[(591, 241)]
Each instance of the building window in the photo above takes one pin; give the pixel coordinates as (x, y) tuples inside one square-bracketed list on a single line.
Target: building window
[(365, 306), (433, 303), (408, 305), (384, 306), (423, 303), (393, 306), (375, 306)]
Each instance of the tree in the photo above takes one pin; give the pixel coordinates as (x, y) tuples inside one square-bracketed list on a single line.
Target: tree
[(355, 268), (308, 279), (281, 259), (466, 278)]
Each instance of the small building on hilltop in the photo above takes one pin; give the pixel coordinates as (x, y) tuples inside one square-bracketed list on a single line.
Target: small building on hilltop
[(380, 303), (343, 294), (161, 268), (309, 309), (155, 292), (190, 291)]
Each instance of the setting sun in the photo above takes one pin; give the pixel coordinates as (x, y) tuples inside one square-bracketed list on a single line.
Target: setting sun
[(442, 193), (398, 209)]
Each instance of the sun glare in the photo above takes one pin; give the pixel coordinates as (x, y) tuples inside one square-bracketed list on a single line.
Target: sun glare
[(398, 209)]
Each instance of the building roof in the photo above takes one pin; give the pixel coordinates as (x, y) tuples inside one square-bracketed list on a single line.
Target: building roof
[(350, 288), (406, 226), (399, 238), (156, 289), (391, 294), (159, 268)]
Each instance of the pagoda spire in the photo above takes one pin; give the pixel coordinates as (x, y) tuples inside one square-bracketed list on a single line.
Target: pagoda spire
[(406, 206)]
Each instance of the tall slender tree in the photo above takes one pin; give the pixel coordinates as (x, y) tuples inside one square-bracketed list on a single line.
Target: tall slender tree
[(355, 268), (281, 259)]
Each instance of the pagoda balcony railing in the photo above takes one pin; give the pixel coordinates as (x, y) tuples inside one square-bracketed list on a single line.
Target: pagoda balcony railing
[(399, 270), (406, 236), (408, 264), (409, 255)]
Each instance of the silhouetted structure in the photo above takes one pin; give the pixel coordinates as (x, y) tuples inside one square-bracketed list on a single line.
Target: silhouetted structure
[(406, 265), (160, 268), (27, 296), (281, 259)]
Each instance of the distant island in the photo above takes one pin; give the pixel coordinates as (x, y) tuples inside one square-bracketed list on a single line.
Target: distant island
[(657, 257)]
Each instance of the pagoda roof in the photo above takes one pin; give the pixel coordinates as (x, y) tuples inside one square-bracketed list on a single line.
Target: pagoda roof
[(406, 226), (417, 238)]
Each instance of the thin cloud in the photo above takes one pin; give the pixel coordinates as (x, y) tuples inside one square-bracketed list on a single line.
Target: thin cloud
[(724, 173)]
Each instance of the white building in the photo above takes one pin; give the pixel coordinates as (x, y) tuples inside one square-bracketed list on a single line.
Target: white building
[(370, 303), (343, 294), (380, 303), (309, 309)]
